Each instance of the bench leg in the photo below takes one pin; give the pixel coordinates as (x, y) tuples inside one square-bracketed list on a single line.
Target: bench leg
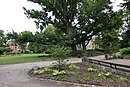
[(111, 65), (115, 67), (99, 63)]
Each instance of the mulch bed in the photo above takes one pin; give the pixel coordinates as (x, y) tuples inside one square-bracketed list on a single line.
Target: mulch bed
[(83, 76)]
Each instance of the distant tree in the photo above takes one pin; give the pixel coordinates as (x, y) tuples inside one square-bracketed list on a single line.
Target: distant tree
[(24, 37), (108, 41), (12, 35), (125, 42), (36, 47), (126, 4), (3, 38)]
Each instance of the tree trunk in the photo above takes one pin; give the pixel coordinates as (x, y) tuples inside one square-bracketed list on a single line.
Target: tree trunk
[(74, 51), (83, 45)]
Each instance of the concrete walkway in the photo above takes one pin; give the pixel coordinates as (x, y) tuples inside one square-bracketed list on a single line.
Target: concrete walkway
[(116, 61)]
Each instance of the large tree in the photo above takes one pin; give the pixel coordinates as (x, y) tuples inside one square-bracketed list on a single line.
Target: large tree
[(78, 19), (125, 42)]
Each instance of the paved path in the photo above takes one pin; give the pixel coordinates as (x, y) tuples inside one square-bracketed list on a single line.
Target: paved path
[(97, 57), (16, 75), (116, 61)]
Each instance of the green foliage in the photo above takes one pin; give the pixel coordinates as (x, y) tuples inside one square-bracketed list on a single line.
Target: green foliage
[(2, 38), (4, 49), (89, 53), (125, 79), (47, 70), (82, 53), (72, 66), (104, 75), (100, 74), (117, 55), (56, 72), (108, 74), (125, 42), (38, 72), (91, 69), (60, 53), (125, 50), (37, 48), (12, 35), (24, 37), (42, 71), (96, 75), (23, 58), (92, 17), (108, 40)]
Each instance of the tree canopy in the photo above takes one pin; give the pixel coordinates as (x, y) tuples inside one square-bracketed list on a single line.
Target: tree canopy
[(79, 20)]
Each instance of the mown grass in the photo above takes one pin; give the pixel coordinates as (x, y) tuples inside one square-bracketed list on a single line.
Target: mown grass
[(22, 58)]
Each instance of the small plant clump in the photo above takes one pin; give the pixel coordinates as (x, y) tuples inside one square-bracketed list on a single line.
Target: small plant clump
[(60, 54), (91, 69)]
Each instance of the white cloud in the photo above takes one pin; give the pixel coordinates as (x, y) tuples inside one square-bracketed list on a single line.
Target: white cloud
[(116, 4)]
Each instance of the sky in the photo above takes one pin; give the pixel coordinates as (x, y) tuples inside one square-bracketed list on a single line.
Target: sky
[(12, 15)]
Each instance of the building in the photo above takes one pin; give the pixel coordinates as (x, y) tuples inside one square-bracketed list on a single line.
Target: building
[(91, 45), (13, 46), (16, 47)]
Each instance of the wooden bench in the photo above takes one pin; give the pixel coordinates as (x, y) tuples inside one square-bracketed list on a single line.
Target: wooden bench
[(109, 64)]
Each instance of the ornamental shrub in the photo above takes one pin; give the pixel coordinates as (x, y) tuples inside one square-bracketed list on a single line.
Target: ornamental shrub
[(60, 53), (4, 49), (125, 50)]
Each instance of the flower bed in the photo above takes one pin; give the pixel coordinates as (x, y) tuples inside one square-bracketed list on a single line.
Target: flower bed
[(84, 73)]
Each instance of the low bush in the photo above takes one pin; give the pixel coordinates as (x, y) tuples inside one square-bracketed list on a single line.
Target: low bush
[(125, 50), (82, 53), (89, 53), (117, 56), (60, 53), (37, 48), (4, 49)]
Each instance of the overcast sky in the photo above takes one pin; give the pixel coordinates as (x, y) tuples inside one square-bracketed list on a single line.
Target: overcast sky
[(12, 15)]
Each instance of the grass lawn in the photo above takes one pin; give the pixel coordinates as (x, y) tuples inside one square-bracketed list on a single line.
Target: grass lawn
[(22, 58)]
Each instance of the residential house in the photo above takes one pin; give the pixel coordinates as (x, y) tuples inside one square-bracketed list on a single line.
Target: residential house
[(14, 46)]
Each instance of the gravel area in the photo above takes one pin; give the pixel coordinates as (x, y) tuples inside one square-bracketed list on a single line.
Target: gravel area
[(16, 76)]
